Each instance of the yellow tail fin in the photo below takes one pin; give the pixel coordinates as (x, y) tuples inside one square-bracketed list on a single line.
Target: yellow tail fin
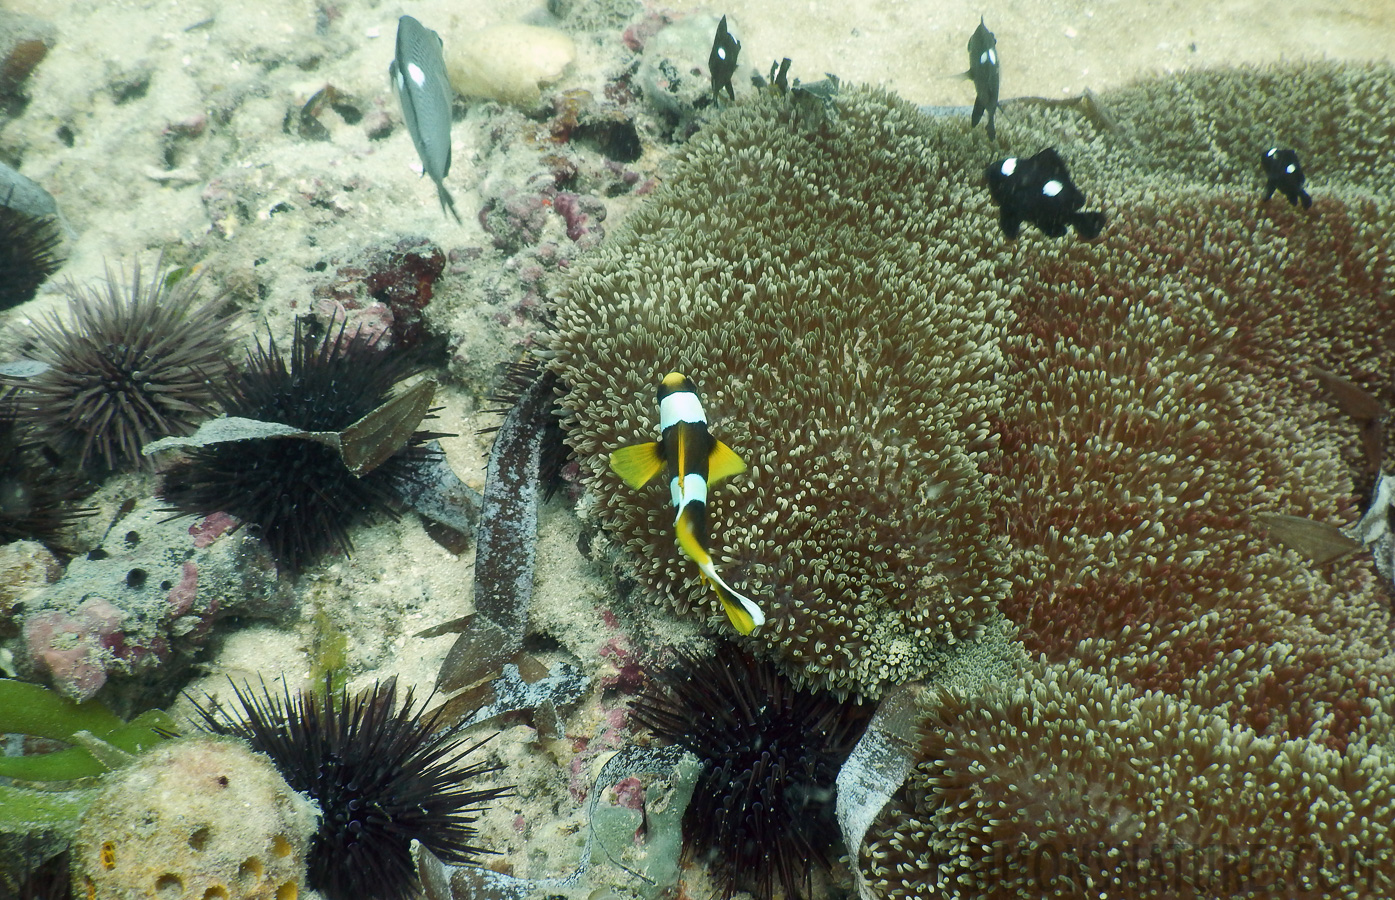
[(743, 612)]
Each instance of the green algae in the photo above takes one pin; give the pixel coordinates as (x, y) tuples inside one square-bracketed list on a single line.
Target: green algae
[(35, 710)]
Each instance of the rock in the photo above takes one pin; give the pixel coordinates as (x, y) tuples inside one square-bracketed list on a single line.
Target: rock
[(673, 74), (26, 568), (508, 63), (197, 818)]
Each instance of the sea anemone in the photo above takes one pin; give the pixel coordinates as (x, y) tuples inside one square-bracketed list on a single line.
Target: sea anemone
[(942, 426), (28, 254), (296, 494), (132, 363), (762, 814), (830, 361), (383, 776), (1070, 785)]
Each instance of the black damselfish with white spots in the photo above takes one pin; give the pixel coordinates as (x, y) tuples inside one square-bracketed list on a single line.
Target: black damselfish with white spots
[(721, 62), (1038, 189), (1284, 174), (984, 72)]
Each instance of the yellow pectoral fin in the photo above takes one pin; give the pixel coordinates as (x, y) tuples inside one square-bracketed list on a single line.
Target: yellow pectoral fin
[(723, 462), (637, 464)]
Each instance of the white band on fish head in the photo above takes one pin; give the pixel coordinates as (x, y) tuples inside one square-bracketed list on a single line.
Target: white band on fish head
[(681, 406)]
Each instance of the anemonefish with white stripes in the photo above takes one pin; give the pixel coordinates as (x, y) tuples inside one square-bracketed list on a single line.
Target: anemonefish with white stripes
[(693, 459)]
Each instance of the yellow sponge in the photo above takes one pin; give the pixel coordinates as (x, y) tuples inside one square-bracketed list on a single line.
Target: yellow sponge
[(196, 819)]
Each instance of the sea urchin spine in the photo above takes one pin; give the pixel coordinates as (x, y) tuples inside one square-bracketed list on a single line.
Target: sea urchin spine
[(762, 814), (383, 776), (131, 364), (298, 495), (28, 254)]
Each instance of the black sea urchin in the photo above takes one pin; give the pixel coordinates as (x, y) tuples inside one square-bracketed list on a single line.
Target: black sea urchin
[(762, 814), (382, 775), (28, 255), (131, 364), (37, 499), (298, 495)]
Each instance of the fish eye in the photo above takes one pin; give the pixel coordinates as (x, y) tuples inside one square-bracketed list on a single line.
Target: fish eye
[(1009, 165), (1052, 188)]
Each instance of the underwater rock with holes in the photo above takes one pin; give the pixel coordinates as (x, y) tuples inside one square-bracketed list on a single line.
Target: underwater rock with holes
[(140, 605), (197, 818)]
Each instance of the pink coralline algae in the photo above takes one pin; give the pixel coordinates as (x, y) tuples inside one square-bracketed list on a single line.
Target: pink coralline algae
[(514, 218), (208, 529), (388, 289), (181, 596), (141, 605), (74, 649), (629, 793), (583, 216)]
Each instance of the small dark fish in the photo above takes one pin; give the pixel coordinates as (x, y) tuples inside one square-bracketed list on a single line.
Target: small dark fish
[(781, 77), (721, 62), (1038, 189), (419, 77), (983, 70), (1284, 172)]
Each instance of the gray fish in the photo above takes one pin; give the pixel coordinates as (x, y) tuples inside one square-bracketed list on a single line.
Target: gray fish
[(983, 70), (419, 77)]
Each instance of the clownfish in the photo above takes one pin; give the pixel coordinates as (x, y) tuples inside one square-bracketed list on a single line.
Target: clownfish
[(693, 459)]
